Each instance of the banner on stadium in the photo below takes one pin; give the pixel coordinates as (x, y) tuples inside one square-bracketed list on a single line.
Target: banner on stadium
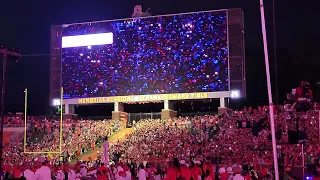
[(137, 98)]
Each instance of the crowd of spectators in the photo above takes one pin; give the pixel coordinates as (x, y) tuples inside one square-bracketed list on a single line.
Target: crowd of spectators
[(12, 121), (166, 54), (221, 142), (78, 138)]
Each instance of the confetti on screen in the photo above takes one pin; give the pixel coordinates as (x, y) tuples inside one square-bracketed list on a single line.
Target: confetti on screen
[(168, 54)]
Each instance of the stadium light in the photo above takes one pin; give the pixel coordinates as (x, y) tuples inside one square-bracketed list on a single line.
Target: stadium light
[(234, 94), (56, 102)]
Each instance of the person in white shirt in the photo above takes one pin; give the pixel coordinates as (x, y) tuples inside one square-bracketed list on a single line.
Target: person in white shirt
[(78, 176), (121, 175), (60, 174), (236, 166), (83, 170), (142, 174), (71, 174), (43, 173), (128, 175), (119, 169), (28, 174), (238, 175), (93, 173), (229, 170), (222, 169)]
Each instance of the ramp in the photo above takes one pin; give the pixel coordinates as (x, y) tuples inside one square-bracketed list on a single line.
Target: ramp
[(119, 136)]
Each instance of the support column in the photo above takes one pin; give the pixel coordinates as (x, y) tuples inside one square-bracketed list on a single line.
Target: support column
[(66, 109), (222, 103), (69, 111), (167, 111), (118, 107), (222, 109), (72, 108), (119, 114)]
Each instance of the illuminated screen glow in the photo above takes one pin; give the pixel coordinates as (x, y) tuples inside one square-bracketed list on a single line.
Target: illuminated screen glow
[(87, 40), (168, 54), (56, 102)]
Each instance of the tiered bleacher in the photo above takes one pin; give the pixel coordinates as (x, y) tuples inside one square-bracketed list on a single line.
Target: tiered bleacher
[(202, 147)]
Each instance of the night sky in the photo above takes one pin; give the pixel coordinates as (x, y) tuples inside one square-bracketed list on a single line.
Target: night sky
[(25, 25)]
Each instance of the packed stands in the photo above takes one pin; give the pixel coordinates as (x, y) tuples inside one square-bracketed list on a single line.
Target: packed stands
[(238, 142)]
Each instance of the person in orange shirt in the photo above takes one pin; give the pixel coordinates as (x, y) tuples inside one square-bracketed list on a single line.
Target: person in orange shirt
[(195, 170), (49, 165), (304, 88), (121, 175), (263, 173), (92, 145), (185, 171), (78, 167), (222, 173), (6, 168), (102, 172), (208, 176), (17, 172), (223, 176), (173, 171), (246, 175), (34, 168), (60, 175), (66, 169), (209, 167)]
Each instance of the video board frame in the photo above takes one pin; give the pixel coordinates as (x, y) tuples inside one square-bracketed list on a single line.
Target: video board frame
[(235, 57)]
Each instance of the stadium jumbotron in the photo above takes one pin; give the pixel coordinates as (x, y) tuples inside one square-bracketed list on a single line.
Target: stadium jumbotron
[(166, 58)]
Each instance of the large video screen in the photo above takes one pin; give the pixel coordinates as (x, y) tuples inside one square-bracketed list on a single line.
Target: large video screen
[(182, 53)]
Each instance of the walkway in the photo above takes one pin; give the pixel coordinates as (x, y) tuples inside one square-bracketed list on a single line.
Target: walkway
[(120, 136)]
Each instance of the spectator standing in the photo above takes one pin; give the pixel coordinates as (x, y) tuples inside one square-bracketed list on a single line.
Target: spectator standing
[(174, 171), (43, 173), (102, 173), (185, 171), (71, 174), (83, 170), (28, 174), (142, 175), (128, 175), (60, 174), (237, 175)]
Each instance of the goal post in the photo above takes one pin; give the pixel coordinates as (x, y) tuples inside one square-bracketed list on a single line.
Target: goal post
[(25, 139)]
